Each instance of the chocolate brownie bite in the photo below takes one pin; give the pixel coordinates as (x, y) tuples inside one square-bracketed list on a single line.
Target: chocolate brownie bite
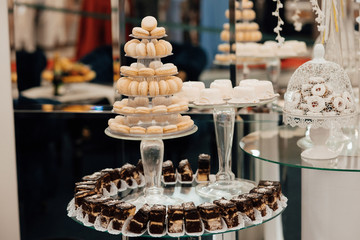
[(203, 172), (127, 172), (192, 218), (185, 171), (84, 187), (123, 210), (92, 206), (93, 177), (104, 182), (157, 219), (275, 184), (107, 211), (228, 212), (269, 195), (175, 218), (114, 176), (168, 171), (139, 222), (210, 215), (258, 201), (244, 205), (79, 197)]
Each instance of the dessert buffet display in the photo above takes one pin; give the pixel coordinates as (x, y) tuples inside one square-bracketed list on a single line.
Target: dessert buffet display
[(319, 95), (96, 204)]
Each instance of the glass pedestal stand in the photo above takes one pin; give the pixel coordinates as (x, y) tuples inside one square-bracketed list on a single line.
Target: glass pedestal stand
[(152, 154), (225, 185)]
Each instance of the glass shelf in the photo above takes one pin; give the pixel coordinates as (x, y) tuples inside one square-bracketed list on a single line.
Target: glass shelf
[(188, 192), (281, 146)]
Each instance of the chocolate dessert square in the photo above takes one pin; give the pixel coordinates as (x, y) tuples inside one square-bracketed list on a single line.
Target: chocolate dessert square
[(139, 222), (168, 171), (107, 212), (123, 210), (192, 218), (140, 167), (114, 176), (244, 205), (269, 195), (85, 187), (92, 206), (103, 182), (275, 184), (127, 172), (228, 212), (175, 217), (258, 201), (93, 177), (79, 197), (203, 167), (210, 214), (157, 219), (185, 170)]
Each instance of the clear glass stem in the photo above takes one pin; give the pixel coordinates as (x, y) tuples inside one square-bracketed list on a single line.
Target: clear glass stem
[(224, 120), (152, 154)]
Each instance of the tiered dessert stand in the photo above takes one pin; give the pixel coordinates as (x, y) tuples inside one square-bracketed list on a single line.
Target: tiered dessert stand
[(152, 146)]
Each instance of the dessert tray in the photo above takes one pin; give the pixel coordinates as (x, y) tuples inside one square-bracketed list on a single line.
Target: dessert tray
[(102, 202)]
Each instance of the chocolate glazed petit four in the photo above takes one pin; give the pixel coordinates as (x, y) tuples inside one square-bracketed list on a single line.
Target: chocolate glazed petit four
[(244, 205), (192, 218), (269, 195), (107, 212), (175, 218), (258, 200), (168, 171), (204, 167), (185, 171), (123, 210), (228, 212), (139, 222), (92, 206), (157, 219), (210, 214)]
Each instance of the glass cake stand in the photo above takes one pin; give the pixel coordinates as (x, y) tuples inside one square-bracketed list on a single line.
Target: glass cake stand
[(152, 154), (226, 185), (188, 192)]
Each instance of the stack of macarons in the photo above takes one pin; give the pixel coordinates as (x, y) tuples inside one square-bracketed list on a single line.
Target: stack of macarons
[(155, 68), (147, 48), (167, 124), (148, 28), (151, 87)]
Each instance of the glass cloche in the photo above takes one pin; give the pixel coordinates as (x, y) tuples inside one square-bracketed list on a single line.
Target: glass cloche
[(319, 95), (318, 92)]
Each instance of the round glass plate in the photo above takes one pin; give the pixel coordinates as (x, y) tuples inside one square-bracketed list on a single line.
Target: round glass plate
[(235, 105), (186, 192), (280, 146), (139, 137), (148, 37), (216, 190)]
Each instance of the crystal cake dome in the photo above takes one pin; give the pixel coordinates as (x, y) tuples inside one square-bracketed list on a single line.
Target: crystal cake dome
[(318, 89)]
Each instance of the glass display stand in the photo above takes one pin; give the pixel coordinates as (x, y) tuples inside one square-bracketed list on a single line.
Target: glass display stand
[(188, 192), (226, 185), (324, 183)]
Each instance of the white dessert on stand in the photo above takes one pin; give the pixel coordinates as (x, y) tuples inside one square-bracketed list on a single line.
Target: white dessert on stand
[(244, 95)]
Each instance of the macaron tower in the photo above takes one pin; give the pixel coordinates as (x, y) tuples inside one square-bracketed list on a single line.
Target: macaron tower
[(246, 30), (148, 106)]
